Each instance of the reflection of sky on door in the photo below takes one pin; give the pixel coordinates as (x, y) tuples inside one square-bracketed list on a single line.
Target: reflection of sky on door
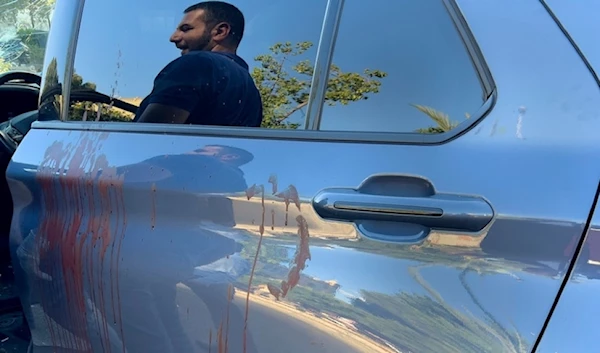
[(370, 37), (580, 18), (356, 271), (431, 68)]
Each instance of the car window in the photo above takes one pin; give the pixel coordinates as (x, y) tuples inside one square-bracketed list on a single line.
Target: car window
[(123, 59), (397, 66), (24, 26), (400, 66)]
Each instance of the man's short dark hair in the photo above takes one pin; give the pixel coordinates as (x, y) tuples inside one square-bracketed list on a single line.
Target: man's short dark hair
[(219, 11)]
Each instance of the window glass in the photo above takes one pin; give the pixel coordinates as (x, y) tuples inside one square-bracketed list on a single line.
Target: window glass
[(399, 66), (123, 45), (24, 26)]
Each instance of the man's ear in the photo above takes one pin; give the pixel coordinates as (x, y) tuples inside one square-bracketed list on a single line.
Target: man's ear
[(221, 31)]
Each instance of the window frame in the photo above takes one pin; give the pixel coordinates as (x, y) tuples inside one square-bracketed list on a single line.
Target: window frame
[(325, 52)]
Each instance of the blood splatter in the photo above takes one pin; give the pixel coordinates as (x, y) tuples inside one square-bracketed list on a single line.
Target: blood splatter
[(223, 337), (273, 182), (289, 195), (230, 292), (272, 219), (251, 191), (83, 222), (276, 292), (153, 212), (301, 255), (261, 231)]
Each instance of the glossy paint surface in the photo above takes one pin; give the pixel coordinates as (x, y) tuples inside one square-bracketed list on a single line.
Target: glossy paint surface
[(572, 326), (126, 240)]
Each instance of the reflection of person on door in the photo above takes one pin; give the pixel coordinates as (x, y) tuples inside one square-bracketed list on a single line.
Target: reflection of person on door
[(209, 84), (200, 180)]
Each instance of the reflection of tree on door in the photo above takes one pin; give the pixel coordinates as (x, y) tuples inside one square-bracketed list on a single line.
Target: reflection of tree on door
[(283, 80), (284, 83), (511, 341), (442, 120)]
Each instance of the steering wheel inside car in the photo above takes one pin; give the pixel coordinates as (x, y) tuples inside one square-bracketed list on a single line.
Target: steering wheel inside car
[(13, 130), (21, 77)]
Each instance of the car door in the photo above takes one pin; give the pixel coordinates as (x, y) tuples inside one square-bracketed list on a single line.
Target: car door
[(23, 30), (419, 177)]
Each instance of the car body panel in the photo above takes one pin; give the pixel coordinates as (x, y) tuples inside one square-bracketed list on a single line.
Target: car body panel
[(578, 19), (123, 238), (571, 327)]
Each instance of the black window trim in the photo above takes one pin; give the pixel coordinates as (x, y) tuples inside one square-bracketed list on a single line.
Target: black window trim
[(404, 138), (463, 29)]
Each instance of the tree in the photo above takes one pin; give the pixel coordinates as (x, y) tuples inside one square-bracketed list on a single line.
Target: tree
[(37, 11), (94, 111), (98, 112), (34, 47), (51, 76), (442, 120), (4, 66), (285, 93), (25, 25), (47, 7), (78, 84), (79, 110)]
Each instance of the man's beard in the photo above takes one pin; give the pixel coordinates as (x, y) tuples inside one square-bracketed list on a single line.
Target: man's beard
[(204, 43)]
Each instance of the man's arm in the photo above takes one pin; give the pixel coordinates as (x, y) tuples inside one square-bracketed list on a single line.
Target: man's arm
[(160, 113)]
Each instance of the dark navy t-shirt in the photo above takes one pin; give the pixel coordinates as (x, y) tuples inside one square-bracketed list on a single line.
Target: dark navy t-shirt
[(216, 88)]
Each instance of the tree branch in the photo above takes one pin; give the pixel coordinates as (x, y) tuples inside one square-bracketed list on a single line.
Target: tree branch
[(300, 106), (278, 76)]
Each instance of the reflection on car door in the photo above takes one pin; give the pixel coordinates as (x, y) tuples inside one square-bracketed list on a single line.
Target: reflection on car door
[(126, 239)]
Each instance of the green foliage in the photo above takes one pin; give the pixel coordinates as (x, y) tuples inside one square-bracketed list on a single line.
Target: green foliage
[(94, 111), (78, 110), (284, 83), (442, 121), (51, 75), (51, 78), (89, 110), (78, 84), (35, 41), (4, 66), (29, 20), (37, 11)]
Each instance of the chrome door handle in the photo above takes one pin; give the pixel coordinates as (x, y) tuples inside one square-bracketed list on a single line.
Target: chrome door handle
[(437, 211)]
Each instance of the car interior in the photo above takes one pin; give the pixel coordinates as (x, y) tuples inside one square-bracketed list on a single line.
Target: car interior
[(19, 97), (19, 93)]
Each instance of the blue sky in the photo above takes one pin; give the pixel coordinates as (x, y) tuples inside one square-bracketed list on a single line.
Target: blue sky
[(430, 69)]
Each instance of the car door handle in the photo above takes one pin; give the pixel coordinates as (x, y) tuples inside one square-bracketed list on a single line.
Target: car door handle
[(437, 211)]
